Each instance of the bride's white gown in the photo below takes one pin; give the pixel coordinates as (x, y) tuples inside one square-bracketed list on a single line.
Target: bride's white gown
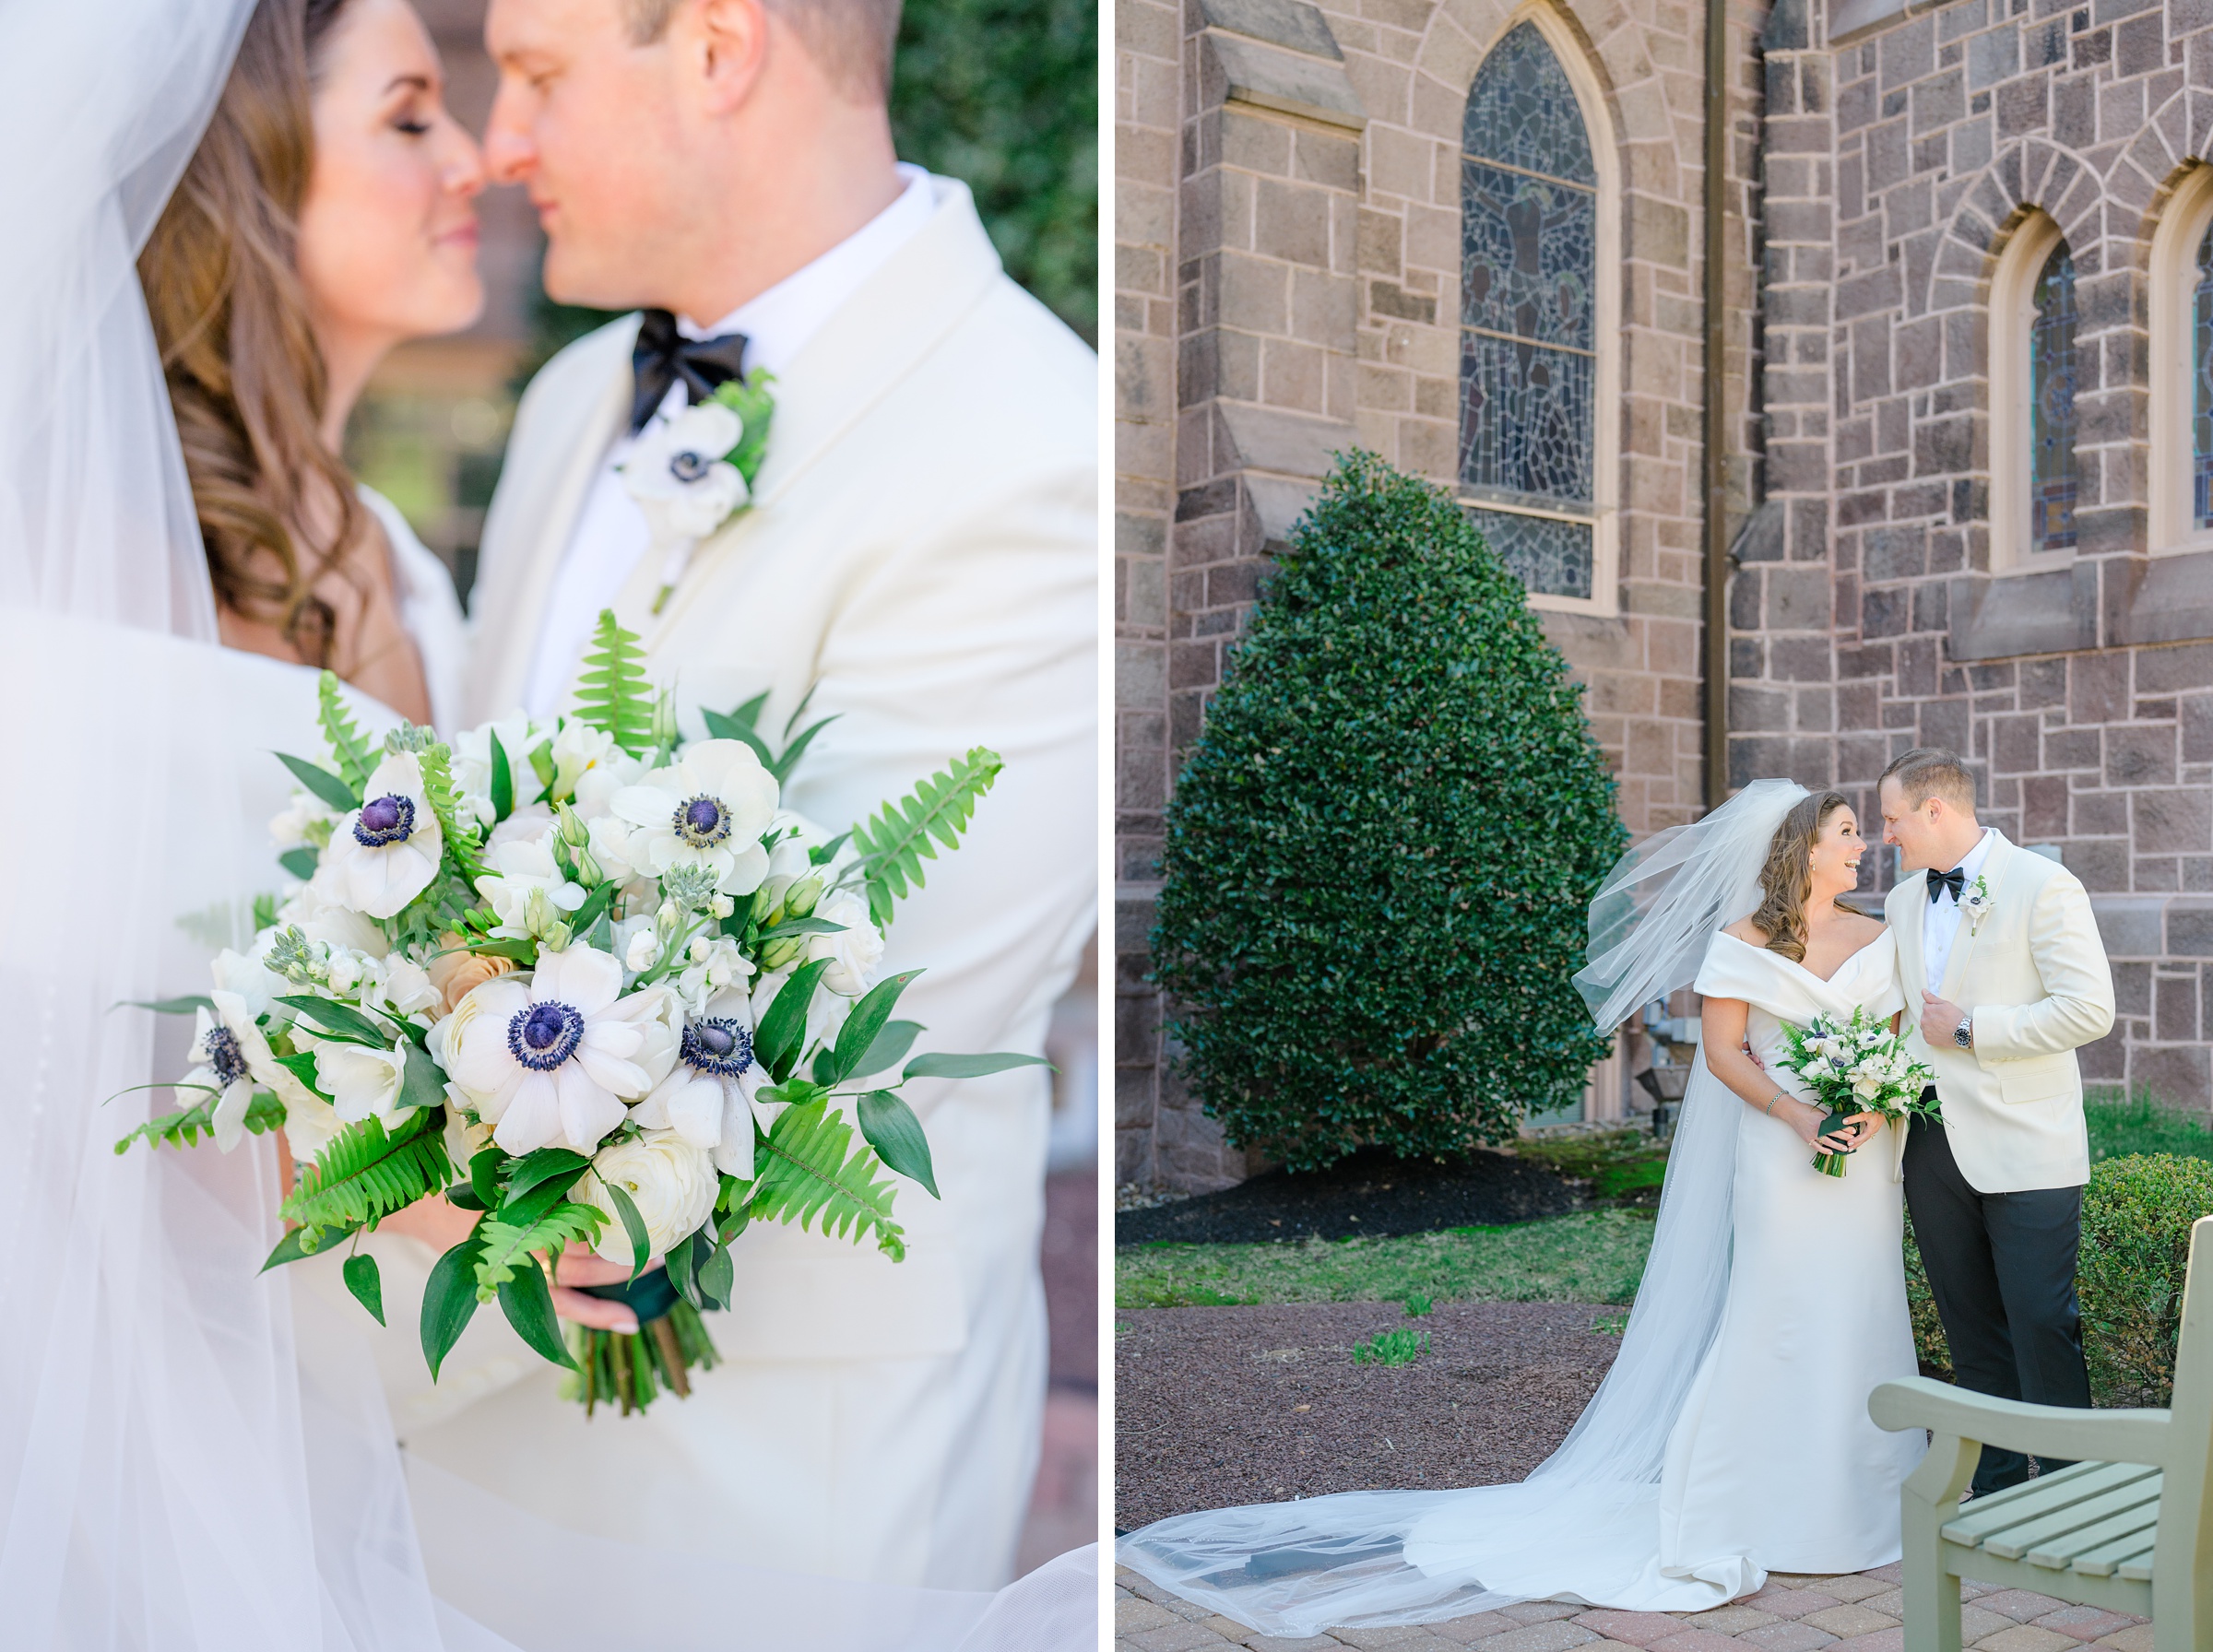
[(1771, 1463)]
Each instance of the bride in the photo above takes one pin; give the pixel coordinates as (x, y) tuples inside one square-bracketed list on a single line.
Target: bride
[(220, 215), (1731, 1439)]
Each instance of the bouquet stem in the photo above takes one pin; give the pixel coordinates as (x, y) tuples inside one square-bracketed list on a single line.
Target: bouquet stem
[(631, 1372), (1833, 1164)]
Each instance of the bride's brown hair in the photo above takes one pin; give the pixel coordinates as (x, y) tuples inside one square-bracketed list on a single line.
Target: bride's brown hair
[(1786, 880), (276, 509)]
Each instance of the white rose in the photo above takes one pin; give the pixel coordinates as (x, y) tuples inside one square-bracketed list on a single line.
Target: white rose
[(672, 1184), (854, 951)]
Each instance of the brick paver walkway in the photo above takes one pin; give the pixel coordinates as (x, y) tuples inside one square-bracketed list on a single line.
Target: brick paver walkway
[(1860, 1612)]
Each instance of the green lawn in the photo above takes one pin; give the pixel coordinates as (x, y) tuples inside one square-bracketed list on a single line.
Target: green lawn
[(2141, 1124), (1591, 1256)]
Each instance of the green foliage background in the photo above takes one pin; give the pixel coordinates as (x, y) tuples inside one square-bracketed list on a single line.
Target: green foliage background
[(1382, 846)]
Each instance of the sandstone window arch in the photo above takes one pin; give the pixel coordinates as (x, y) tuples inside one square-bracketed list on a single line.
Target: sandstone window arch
[(2034, 480), (1540, 304), (2182, 368)]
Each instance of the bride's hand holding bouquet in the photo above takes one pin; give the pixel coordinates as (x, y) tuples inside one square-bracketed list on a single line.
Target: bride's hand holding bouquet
[(1860, 1076)]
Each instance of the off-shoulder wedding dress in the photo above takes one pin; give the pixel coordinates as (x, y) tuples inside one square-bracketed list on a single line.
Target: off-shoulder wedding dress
[(1731, 1439)]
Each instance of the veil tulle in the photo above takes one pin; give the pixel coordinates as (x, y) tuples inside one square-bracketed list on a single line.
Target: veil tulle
[(184, 1465), (1585, 1525)]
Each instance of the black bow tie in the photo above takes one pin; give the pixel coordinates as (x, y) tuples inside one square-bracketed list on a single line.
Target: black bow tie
[(662, 356), (1955, 880)]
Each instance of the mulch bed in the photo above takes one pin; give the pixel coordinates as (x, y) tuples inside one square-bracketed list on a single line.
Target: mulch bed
[(1370, 1192), (1208, 1401)]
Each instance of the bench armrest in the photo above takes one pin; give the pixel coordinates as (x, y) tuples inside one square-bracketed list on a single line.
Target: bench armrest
[(2107, 1436)]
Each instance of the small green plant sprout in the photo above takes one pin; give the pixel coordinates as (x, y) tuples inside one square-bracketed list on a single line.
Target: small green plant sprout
[(1611, 1325), (1392, 1348), (1418, 1307)]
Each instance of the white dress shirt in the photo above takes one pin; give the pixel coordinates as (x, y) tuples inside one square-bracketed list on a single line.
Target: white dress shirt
[(610, 534), (1941, 927)]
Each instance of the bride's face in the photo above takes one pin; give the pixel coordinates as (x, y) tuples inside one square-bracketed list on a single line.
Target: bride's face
[(1836, 856), (388, 246)]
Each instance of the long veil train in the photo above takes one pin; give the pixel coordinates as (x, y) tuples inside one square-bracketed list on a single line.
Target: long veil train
[(1585, 1525), (178, 1470)]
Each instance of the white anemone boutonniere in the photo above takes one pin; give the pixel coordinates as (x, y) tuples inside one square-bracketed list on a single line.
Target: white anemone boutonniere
[(1977, 902), (692, 472)]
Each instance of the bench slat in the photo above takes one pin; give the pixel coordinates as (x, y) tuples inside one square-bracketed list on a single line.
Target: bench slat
[(2106, 1558), (2132, 1525), (2057, 1532), (2034, 1499), (2136, 1568)]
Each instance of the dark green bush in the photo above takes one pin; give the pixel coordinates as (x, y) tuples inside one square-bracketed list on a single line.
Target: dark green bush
[(2136, 1213), (1381, 848)]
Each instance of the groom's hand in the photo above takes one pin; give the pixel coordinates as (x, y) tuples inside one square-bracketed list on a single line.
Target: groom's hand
[(1940, 1017)]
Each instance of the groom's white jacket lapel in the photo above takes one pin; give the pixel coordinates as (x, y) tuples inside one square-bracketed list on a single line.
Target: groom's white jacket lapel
[(2031, 969)]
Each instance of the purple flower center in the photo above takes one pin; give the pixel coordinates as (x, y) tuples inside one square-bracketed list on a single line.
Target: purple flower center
[(224, 1056), (702, 821), (689, 466), (384, 821), (718, 1045), (544, 1035)]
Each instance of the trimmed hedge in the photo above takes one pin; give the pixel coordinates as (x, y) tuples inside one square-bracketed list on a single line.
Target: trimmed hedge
[(1382, 846), (2136, 1213)]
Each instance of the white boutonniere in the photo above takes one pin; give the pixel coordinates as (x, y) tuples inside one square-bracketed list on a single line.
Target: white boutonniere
[(1977, 902), (692, 472)]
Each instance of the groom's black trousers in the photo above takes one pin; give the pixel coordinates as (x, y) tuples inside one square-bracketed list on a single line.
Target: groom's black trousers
[(2001, 1267)]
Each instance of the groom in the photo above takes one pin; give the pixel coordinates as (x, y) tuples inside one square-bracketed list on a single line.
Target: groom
[(919, 557), (2004, 979)]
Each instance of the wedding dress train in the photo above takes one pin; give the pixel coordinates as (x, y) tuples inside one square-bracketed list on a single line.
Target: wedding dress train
[(1730, 1438)]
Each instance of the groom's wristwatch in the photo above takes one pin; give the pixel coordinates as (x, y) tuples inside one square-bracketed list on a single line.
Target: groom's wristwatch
[(1964, 1033)]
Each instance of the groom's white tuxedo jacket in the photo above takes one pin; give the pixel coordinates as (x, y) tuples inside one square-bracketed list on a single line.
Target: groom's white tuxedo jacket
[(2030, 968), (921, 556)]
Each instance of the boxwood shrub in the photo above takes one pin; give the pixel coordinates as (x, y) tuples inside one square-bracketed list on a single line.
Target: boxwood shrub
[(1381, 848), (2136, 1213)]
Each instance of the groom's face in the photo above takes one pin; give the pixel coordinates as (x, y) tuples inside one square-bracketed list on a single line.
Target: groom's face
[(1912, 831), (583, 121)]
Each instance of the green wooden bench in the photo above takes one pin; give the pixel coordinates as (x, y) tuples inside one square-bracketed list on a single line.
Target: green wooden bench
[(2127, 1528)]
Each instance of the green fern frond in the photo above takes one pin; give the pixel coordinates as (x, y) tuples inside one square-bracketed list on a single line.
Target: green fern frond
[(612, 694), (348, 748), (898, 841), (508, 1245), (462, 842), (803, 1175), (187, 1125), (365, 1175)]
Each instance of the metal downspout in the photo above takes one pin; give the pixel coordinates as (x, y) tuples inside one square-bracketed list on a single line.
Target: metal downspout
[(1714, 457)]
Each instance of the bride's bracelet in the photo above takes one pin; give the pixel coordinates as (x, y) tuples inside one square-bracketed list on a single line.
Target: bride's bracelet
[(1779, 1095)]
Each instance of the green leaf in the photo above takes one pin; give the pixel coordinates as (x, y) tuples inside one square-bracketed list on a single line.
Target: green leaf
[(801, 927), (527, 1301), (896, 1135), (891, 1046), (641, 1246), (969, 1066), (363, 1281), (288, 1249), (521, 948), (421, 1083), (717, 1277), (464, 839), (503, 781), (355, 756), (462, 1197), (865, 1021), (788, 758), (679, 1263), (749, 398), (449, 1301), (805, 1176), (302, 1066), (544, 767), (365, 1174), (510, 1236), (613, 693), (322, 781), (894, 843), (339, 1020), (171, 1006), (484, 1175), (734, 725), (594, 904), (544, 1165), (301, 862), (779, 1041)]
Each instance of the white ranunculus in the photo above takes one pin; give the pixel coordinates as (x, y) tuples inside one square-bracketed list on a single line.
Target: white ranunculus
[(709, 1095), (854, 951), (531, 821), (680, 475), (709, 808), (362, 1083), (552, 1058), (672, 1184), (384, 853), (518, 869)]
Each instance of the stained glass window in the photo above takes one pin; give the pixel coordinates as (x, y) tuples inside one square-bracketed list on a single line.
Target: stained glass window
[(1529, 323), (2201, 385), (2052, 404)]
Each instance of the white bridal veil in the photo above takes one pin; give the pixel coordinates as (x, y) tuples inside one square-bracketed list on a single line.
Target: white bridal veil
[(179, 1471), (1585, 1525)]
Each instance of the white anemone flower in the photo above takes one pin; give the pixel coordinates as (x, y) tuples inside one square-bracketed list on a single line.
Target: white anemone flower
[(551, 1060), (680, 472), (231, 1057), (710, 1096), (384, 853), (709, 808)]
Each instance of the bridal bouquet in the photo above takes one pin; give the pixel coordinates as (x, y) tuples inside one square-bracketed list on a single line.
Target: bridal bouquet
[(1855, 1065), (590, 980)]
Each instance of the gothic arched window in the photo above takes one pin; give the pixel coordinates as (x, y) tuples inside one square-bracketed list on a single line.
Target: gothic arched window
[(2034, 481), (2181, 367), (2052, 404), (1534, 336)]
